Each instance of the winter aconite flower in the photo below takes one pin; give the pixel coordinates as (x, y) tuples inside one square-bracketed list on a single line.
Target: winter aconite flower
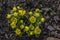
[(37, 14), (21, 21), (30, 13), (37, 30), (22, 12), (18, 31), (26, 28), (13, 19), (31, 33), (21, 26), (42, 19), (32, 27), (14, 8), (15, 14), (32, 19), (18, 7), (8, 16), (37, 10), (13, 25)]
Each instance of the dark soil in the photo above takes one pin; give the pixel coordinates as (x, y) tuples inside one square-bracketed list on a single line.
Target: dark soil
[(50, 10)]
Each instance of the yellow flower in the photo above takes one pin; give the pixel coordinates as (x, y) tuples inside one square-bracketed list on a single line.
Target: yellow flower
[(30, 13), (42, 19), (26, 28), (15, 14), (22, 12), (13, 25), (37, 30), (14, 8), (32, 27), (18, 7), (8, 16), (18, 31), (37, 10), (37, 14), (22, 26), (13, 19), (31, 33), (21, 21), (32, 19)]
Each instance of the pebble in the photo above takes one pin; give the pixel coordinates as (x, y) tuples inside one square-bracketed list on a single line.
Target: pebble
[(50, 28)]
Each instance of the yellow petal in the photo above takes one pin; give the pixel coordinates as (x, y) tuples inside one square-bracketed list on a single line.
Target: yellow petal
[(42, 19), (18, 31), (14, 8), (32, 27), (32, 19), (21, 21), (26, 28), (18, 7), (13, 25), (15, 14), (37, 30), (31, 32), (37, 14), (37, 10), (22, 26), (30, 13), (8, 16)]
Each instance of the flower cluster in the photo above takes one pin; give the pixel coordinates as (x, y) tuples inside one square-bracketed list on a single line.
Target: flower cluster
[(22, 21)]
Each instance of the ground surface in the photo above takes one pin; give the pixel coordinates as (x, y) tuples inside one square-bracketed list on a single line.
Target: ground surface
[(51, 11)]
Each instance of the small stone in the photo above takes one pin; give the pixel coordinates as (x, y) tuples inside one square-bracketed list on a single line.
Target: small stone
[(56, 18), (50, 38), (47, 17), (58, 27), (50, 28), (52, 33), (58, 35), (6, 36)]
